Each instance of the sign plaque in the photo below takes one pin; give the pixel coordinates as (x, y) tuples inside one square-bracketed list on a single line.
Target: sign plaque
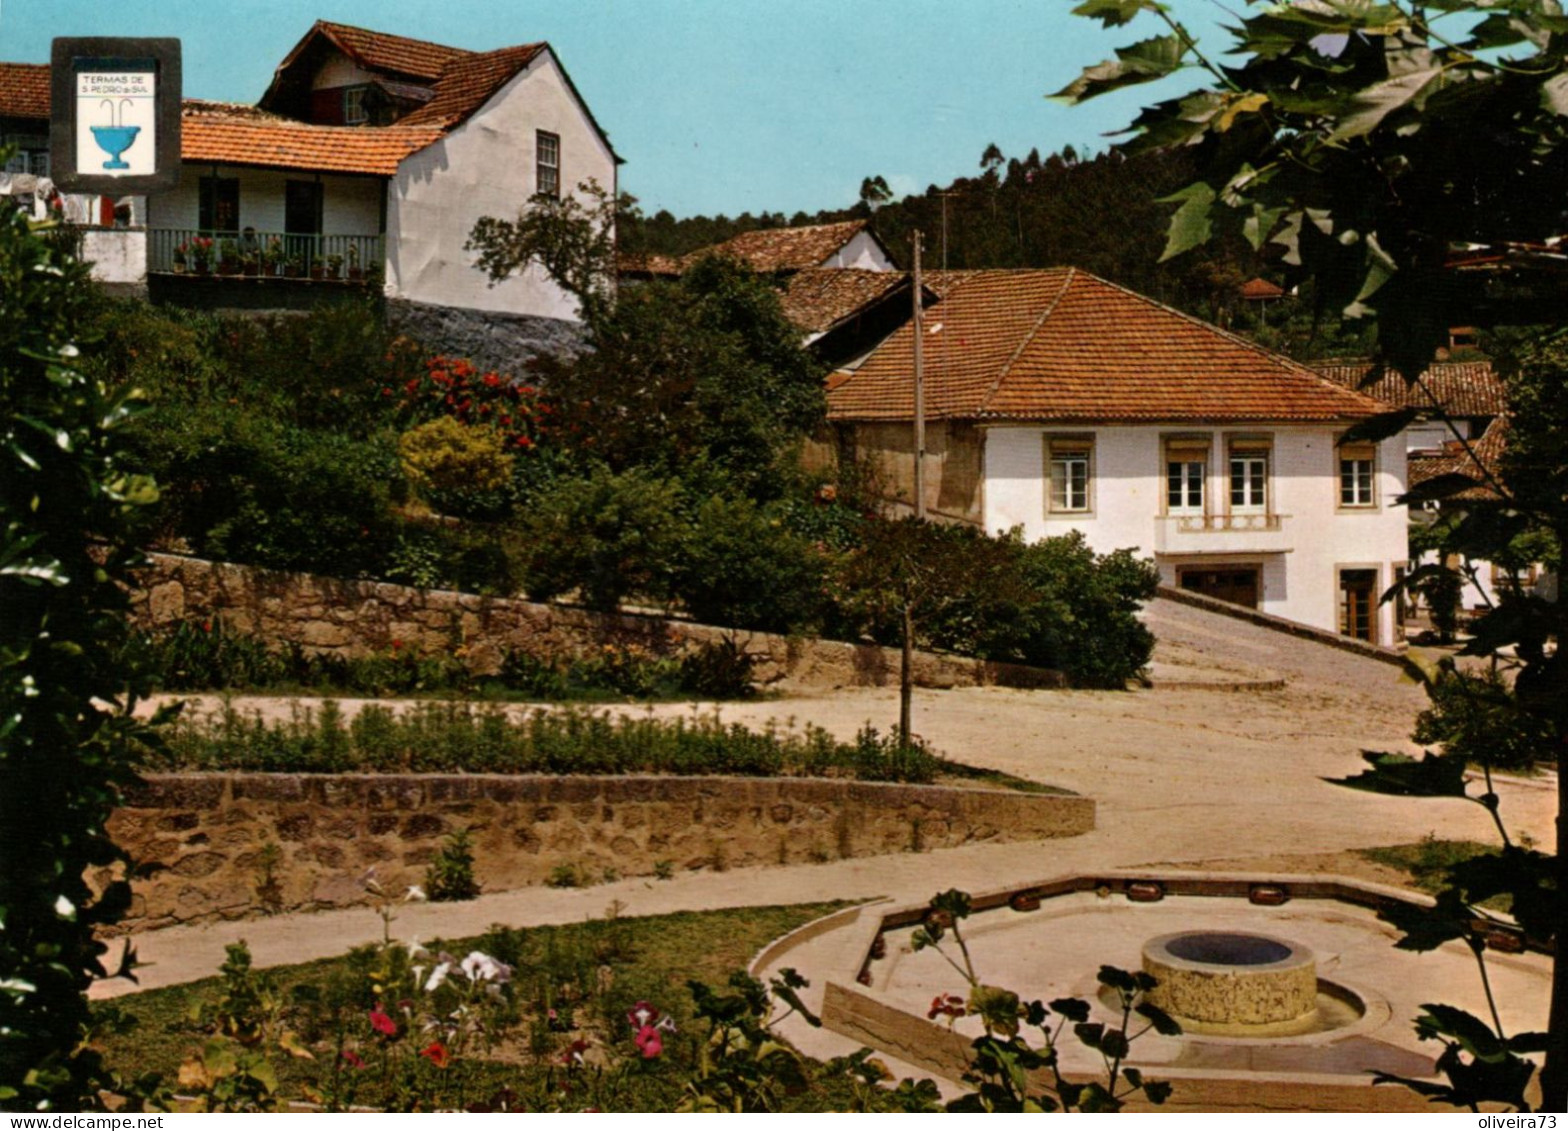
[(116, 115)]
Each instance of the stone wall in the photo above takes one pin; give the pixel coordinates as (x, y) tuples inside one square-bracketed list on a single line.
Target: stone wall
[(491, 340), (357, 617), (229, 845)]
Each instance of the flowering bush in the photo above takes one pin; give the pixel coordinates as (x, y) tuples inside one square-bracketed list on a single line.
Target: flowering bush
[(455, 388)]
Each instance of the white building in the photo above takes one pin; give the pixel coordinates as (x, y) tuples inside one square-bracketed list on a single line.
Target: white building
[(1057, 402)]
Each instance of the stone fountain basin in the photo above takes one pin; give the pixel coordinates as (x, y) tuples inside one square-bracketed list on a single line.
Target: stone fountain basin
[(1231, 982)]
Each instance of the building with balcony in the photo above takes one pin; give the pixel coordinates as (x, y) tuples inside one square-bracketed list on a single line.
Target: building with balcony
[(1057, 402), (365, 165)]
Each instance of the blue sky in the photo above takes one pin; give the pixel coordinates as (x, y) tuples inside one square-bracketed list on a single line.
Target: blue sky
[(716, 105)]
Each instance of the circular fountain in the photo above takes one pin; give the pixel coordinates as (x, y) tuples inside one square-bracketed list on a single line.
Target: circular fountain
[(1234, 983)]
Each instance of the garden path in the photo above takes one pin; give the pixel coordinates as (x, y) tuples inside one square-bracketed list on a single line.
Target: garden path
[(1179, 776)]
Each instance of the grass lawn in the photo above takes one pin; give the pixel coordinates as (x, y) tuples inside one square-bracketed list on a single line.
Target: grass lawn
[(1426, 861), (570, 982)]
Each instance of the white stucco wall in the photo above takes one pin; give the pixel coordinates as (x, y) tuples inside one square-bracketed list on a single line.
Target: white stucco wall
[(486, 167), (1299, 561), (351, 206), (339, 70), (863, 252), (117, 255)]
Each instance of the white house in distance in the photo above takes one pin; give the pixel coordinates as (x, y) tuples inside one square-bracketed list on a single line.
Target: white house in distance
[(1057, 401), (367, 162)]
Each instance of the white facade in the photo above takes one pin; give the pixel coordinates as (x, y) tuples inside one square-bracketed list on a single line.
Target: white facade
[(1304, 545), (350, 205), (863, 252), (487, 167)]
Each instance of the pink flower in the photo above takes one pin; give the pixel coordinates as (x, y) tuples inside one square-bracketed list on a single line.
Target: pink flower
[(649, 1042), (353, 1059), (381, 1023), (573, 1056)]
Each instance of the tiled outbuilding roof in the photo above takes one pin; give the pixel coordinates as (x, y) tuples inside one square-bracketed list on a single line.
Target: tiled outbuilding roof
[(1063, 345), (784, 249), (266, 141), (1259, 289), (660, 266), (818, 299), (378, 51), (1487, 452), (1461, 388), (24, 90), (467, 83)]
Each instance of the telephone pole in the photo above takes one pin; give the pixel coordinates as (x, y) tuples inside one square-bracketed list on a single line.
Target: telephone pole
[(918, 325)]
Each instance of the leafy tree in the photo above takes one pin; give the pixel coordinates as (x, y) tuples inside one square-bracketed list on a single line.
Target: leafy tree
[(67, 679), (1367, 142)]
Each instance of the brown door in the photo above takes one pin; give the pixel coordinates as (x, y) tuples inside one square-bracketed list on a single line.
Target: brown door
[(1358, 603), (1236, 584)]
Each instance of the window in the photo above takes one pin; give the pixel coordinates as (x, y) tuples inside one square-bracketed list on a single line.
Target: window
[(1186, 468), (1356, 462), (548, 178), (1249, 476), (1069, 461), (354, 112), (219, 208), (31, 156)]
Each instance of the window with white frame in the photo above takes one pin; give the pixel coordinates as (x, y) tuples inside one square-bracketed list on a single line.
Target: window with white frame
[(1186, 468), (354, 111), (1357, 462), (548, 179), (1070, 462), (1249, 476), (31, 154)]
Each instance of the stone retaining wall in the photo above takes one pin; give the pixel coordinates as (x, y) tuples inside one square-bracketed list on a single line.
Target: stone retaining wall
[(230, 845), (356, 617)]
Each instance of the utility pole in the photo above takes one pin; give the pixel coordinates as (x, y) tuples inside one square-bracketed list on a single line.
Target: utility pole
[(920, 389)]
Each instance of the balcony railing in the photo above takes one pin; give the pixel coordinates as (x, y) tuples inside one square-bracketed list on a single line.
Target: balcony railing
[(268, 255), (1213, 523)]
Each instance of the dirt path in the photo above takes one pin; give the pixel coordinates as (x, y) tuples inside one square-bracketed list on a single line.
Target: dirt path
[(1180, 776)]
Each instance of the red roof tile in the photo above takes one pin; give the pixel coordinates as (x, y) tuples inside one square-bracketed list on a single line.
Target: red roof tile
[(468, 82), (662, 266), (819, 298), (1480, 464), (1063, 345), (24, 90), (278, 143), (378, 51), (783, 249), (1461, 388), (1259, 289)]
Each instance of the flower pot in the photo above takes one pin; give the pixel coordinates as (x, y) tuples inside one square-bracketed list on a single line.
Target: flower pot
[(318, 273), (356, 274), (228, 268)]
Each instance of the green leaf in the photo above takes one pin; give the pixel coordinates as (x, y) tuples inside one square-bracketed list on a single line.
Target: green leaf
[(1157, 1091), (1374, 103), (1375, 429), (1113, 13), (1164, 1024), (1072, 1008), (1141, 62), (1191, 225)]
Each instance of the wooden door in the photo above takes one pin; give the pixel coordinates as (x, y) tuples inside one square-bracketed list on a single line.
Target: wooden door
[(1236, 584), (1358, 603)]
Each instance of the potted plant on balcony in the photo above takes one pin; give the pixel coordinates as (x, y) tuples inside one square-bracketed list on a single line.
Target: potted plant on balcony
[(294, 266), (334, 266), (355, 272), (318, 267), (272, 257), (228, 257), (201, 254), (180, 252)]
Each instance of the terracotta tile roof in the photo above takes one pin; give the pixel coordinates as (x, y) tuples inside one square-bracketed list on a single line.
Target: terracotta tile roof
[(192, 106), (1063, 345), (666, 266), (1454, 460), (1462, 388), (783, 249), (24, 90), (378, 51), (1258, 289), (279, 143), (819, 298), (467, 83)]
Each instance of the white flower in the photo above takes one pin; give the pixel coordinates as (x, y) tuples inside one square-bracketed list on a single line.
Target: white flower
[(415, 894), (480, 967), (415, 950), (438, 976)]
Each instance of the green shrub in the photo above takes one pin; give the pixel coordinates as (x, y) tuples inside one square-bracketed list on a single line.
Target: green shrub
[(445, 455), (742, 567), (607, 536), (457, 737), (450, 874), (1477, 717)]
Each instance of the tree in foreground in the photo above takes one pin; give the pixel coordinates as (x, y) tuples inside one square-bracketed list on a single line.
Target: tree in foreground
[(65, 695), (1364, 143)]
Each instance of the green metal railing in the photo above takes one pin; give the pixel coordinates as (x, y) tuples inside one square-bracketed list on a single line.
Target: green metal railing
[(264, 254)]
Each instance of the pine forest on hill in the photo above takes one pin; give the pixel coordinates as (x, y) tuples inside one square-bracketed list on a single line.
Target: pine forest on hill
[(1103, 214)]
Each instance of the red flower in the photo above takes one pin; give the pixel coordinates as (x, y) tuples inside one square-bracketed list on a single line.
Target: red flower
[(206, 626), (381, 1023), (946, 1005), (436, 1054), (396, 644), (649, 1042), (573, 1055), (491, 380), (353, 1059), (386, 390)]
